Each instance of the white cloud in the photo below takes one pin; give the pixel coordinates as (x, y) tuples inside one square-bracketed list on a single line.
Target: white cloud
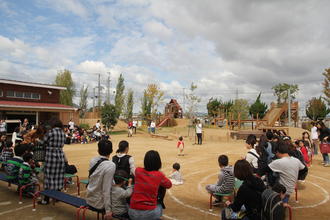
[(67, 6)]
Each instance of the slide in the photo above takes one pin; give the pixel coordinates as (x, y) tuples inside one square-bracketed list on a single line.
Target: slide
[(274, 114), (162, 122)]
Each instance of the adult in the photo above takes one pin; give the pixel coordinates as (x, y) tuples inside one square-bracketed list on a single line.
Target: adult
[(71, 125), (26, 125), (3, 127), (122, 160), (135, 125), (252, 156), (101, 172), (153, 127), (324, 137), (315, 138), (199, 132), (16, 137), (98, 124), (54, 166), (147, 182), (249, 194)]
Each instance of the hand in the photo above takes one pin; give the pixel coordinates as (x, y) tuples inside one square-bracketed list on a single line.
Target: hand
[(227, 203), (108, 216), (130, 180)]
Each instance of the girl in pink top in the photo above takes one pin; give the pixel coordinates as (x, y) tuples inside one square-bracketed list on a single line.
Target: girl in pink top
[(180, 146)]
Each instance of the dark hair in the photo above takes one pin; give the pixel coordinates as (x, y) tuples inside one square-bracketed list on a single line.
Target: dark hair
[(17, 129), (20, 149), (301, 141), (152, 161), (27, 157), (41, 131), (180, 138), (176, 166), (269, 135), (242, 169), (283, 148), (303, 134), (223, 160), (321, 124), (279, 188), (122, 146), (276, 137), (120, 176), (104, 147), (55, 122), (251, 140), (9, 144)]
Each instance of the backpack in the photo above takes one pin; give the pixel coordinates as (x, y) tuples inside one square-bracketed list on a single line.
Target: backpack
[(272, 208), (262, 163), (122, 163)]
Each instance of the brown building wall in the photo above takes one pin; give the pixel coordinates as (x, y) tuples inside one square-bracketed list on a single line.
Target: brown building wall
[(54, 97)]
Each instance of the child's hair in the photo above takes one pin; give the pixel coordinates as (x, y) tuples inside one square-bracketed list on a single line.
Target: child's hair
[(122, 146), (9, 144), (105, 147), (20, 149), (251, 140), (223, 160), (176, 166), (279, 188), (152, 161), (301, 141), (120, 176), (180, 138), (27, 157)]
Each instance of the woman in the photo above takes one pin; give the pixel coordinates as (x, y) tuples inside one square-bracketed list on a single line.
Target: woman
[(122, 160), (324, 138), (252, 156), (54, 166), (199, 132), (147, 182), (249, 194)]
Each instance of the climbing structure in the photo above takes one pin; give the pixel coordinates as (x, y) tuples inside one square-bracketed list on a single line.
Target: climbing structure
[(172, 110)]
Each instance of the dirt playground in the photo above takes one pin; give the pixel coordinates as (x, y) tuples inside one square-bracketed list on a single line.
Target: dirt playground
[(188, 201)]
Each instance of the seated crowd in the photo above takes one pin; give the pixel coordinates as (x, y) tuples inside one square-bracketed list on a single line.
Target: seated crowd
[(272, 166)]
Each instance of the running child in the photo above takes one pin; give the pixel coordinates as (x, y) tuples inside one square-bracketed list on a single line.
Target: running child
[(180, 146), (176, 177)]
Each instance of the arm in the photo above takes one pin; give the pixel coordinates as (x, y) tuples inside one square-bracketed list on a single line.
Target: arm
[(132, 165), (106, 188), (127, 193), (220, 179), (165, 182)]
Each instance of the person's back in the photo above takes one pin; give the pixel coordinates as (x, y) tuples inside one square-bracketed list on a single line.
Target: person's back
[(122, 162), (13, 165), (226, 180)]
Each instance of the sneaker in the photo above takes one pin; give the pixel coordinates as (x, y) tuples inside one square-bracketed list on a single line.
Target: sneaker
[(326, 165), (43, 202), (323, 163)]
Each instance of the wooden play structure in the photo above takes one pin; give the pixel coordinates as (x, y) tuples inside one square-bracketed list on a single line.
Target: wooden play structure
[(172, 110)]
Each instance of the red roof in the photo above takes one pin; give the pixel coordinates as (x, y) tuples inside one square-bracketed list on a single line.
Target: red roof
[(36, 105)]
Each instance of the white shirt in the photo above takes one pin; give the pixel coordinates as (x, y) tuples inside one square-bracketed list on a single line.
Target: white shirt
[(98, 125), (199, 128), (314, 134), (152, 124), (100, 183), (71, 125), (251, 158), (134, 123)]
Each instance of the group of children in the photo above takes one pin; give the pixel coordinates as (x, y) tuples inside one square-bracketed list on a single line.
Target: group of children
[(82, 136)]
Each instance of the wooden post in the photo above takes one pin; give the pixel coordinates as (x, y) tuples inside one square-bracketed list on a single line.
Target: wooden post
[(239, 121)]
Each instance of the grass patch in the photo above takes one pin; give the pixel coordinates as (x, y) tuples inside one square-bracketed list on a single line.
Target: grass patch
[(118, 132)]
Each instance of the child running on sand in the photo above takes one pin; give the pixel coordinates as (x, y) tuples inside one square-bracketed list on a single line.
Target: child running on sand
[(180, 146)]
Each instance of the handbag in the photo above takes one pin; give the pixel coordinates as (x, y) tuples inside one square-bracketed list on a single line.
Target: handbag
[(39, 152), (325, 148)]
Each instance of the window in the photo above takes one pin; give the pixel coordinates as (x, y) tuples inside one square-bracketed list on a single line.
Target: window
[(27, 95), (10, 94), (1, 93), (35, 96), (18, 94)]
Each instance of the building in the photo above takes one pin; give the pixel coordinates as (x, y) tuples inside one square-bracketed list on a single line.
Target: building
[(173, 109), (34, 101)]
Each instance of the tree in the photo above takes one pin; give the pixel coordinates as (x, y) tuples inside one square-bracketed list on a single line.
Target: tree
[(120, 98), (155, 96), (193, 100), (129, 104), (316, 109), (83, 100), (145, 106), (326, 85), (240, 107), (109, 115), (213, 107), (258, 108), (281, 91), (63, 78)]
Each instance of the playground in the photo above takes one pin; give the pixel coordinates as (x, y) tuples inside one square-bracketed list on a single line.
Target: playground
[(199, 167)]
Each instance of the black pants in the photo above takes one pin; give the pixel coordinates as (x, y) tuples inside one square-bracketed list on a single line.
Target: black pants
[(199, 138)]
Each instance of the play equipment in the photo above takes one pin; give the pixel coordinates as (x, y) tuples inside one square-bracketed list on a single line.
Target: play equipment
[(172, 110)]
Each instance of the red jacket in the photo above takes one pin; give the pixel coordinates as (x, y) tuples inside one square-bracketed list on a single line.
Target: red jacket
[(304, 152), (146, 186)]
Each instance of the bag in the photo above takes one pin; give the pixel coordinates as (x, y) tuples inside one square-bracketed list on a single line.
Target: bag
[(272, 206), (39, 152), (70, 169), (325, 148)]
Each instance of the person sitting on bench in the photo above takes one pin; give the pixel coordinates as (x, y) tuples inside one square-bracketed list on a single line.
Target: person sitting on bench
[(27, 174), (14, 164), (101, 174)]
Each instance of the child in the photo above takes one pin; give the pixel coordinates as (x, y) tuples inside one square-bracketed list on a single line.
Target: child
[(3, 139), (27, 174), (176, 177), (180, 146), (14, 164), (304, 151), (119, 194), (7, 152), (226, 179)]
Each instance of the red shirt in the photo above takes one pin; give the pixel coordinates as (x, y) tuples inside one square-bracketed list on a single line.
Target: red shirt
[(146, 186), (304, 152), (179, 143)]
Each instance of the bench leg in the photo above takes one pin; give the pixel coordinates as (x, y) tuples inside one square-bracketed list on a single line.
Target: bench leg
[(78, 212), (296, 192), (65, 179), (35, 196), (290, 212), (84, 213), (78, 185)]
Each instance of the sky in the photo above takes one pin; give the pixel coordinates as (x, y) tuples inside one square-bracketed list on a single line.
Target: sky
[(227, 48)]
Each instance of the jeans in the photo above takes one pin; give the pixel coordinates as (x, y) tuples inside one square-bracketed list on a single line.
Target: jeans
[(315, 146), (199, 138), (325, 158), (153, 214)]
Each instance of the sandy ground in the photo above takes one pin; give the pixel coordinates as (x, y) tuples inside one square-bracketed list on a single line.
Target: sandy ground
[(188, 201)]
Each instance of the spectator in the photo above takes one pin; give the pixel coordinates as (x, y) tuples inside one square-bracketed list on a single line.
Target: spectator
[(71, 125), (26, 125), (153, 127), (98, 124), (101, 172), (3, 127), (147, 182), (54, 166), (124, 161), (324, 138), (16, 137), (252, 156), (134, 125), (199, 132), (315, 138), (14, 164)]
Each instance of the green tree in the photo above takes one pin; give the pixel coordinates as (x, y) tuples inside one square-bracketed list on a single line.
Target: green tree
[(129, 104), (258, 108), (326, 85), (316, 109), (109, 115), (145, 106), (83, 101), (120, 97), (281, 91), (240, 106), (155, 96), (63, 78), (193, 100)]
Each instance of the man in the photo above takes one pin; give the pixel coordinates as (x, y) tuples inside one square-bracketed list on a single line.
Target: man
[(153, 127), (199, 132), (134, 125), (3, 127), (98, 125), (71, 125), (315, 138), (101, 174), (288, 169)]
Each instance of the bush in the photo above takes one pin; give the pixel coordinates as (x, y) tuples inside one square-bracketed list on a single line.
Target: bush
[(84, 126)]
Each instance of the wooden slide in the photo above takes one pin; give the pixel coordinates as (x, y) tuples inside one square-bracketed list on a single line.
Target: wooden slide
[(275, 113), (162, 122)]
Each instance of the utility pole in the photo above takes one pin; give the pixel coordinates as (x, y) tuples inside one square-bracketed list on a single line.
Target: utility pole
[(93, 98), (236, 94), (184, 101), (108, 89), (99, 92), (289, 107)]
